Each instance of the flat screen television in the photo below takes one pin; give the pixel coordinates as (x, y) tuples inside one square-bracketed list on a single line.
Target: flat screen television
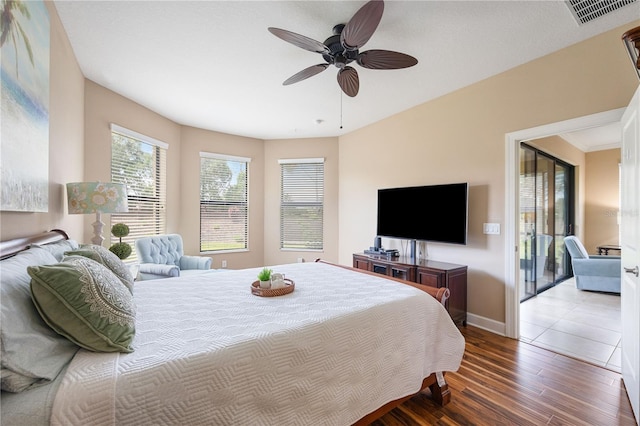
[(437, 213)]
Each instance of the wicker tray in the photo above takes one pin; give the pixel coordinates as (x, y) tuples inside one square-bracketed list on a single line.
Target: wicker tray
[(289, 285)]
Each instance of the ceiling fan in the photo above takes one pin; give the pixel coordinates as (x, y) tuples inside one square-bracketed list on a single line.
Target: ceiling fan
[(343, 46)]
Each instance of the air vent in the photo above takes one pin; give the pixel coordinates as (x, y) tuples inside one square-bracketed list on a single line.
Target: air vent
[(587, 10)]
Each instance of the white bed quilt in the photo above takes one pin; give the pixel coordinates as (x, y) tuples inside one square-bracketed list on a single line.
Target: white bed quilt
[(208, 352)]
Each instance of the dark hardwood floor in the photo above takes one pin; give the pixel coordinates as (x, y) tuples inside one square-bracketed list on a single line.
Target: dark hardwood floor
[(504, 381)]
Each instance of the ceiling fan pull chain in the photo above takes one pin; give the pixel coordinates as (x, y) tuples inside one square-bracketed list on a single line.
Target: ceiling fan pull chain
[(341, 109)]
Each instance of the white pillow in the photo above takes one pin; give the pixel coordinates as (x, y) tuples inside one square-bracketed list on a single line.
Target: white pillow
[(31, 353), (58, 248)]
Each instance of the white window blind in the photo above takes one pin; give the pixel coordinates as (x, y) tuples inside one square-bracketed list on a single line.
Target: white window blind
[(224, 212), (140, 163), (302, 204)]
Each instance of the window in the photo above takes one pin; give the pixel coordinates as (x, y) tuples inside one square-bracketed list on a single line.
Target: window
[(224, 212), (140, 162), (302, 204)]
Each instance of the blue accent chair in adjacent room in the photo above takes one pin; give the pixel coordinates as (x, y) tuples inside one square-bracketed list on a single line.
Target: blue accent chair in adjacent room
[(162, 256), (595, 273)]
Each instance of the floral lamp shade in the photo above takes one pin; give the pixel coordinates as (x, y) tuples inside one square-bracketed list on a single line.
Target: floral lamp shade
[(97, 197)]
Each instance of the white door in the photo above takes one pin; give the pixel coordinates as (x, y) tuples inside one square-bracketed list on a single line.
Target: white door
[(630, 242)]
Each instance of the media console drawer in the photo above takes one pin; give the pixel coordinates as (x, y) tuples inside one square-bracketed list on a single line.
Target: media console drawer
[(425, 272)]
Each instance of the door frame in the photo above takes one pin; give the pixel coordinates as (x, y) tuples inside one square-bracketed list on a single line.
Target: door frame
[(512, 207)]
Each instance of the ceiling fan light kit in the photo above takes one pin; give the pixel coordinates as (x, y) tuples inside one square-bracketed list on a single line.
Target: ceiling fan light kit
[(343, 48)]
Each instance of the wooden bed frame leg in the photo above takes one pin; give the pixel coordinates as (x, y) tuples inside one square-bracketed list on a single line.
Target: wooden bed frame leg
[(440, 394)]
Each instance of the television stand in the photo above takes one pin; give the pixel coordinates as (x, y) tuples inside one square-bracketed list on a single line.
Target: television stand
[(425, 272)]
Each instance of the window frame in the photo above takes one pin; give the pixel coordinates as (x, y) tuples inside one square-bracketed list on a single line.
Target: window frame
[(284, 204), (246, 204), (159, 200)]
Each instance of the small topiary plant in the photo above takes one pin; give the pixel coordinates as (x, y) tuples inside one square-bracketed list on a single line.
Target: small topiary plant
[(120, 249), (120, 230)]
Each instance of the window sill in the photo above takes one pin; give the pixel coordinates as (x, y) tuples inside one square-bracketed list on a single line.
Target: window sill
[(211, 253)]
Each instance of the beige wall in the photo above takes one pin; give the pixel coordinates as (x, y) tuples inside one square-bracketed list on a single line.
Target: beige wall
[(275, 150), (66, 141), (81, 112), (602, 199), (195, 141), (103, 107), (461, 137)]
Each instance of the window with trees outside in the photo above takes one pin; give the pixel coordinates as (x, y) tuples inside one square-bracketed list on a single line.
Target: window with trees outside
[(302, 204), (224, 212), (139, 162)]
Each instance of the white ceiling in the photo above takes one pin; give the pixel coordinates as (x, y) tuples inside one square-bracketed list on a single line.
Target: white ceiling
[(597, 138), (214, 65)]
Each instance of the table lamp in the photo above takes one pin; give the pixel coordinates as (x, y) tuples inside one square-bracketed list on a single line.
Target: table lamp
[(98, 198)]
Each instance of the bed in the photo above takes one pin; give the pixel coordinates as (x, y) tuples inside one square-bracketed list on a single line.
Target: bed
[(343, 348)]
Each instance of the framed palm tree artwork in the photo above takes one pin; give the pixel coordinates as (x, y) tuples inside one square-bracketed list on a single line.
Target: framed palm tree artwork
[(24, 86)]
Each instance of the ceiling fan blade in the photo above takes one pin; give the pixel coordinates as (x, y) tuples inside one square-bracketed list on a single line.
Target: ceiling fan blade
[(348, 81), (361, 27), (299, 40), (385, 60), (305, 73)]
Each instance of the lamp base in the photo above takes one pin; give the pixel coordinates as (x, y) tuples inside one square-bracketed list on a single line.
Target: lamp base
[(97, 230)]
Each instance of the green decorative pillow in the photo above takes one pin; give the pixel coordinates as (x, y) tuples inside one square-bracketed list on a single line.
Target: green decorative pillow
[(108, 259), (85, 302)]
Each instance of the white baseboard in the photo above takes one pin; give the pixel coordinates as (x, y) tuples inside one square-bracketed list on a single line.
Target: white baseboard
[(486, 324)]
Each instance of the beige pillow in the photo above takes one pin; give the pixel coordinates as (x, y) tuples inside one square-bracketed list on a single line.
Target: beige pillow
[(85, 302)]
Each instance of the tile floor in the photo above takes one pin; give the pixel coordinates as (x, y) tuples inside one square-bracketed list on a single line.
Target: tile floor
[(580, 324)]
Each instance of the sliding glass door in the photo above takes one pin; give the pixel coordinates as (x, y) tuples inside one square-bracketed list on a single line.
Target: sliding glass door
[(546, 217)]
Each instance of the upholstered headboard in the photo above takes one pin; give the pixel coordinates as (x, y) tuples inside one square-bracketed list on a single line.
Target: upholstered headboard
[(9, 248)]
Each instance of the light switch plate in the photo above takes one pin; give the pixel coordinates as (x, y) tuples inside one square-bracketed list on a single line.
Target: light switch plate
[(491, 228)]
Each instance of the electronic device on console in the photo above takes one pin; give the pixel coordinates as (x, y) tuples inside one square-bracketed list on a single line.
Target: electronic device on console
[(390, 252), (378, 250)]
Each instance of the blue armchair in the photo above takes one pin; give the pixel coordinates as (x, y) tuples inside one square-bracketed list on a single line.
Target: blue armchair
[(595, 273), (162, 256)]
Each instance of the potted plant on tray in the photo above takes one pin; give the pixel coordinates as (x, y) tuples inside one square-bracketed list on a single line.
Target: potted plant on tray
[(265, 278)]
